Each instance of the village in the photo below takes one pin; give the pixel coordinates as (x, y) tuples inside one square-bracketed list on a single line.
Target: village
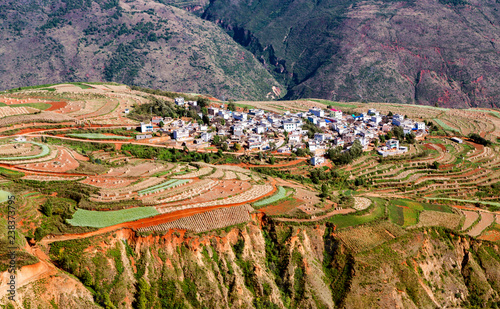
[(253, 130)]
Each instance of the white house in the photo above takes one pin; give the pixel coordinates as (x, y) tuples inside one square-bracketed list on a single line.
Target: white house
[(156, 120), (180, 134), (335, 113), (376, 119), (260, 129), (256, 112), (213, 111), (206, 136), (291, 124), (318, 112), (143, 136), (240, 116), (317, 160), (225, 114), (146, 127), (397, 119), (179, 101), (420, 125)]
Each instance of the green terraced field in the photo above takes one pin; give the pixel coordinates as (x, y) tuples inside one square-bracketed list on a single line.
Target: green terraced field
[(4, 196), (101, 219), (406, 213), (97, 136), (464, 201), (444, 125), (163, 186), (280, 194), (45, 151), (41, 106), (336, 104), (377, 212)]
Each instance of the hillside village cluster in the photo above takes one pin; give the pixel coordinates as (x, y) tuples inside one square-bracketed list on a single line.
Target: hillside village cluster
[(258, 130)]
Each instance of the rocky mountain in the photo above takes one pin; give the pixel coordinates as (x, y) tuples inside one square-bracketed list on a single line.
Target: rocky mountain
[(268, 264), (433, 52), (143, 43)]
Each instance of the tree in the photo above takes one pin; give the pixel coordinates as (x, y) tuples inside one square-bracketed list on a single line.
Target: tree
[(237, 146), (205, 119), (46, 208), (224, 147), (223, 121), (410, 138), (398, 133), (356, 149), (231, 106), (436, 165), (203, 102), (324, 190), (390, 114), (161, 124), (204, 110), (272, 160)]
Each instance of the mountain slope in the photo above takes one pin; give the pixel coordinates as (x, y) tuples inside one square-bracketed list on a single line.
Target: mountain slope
[(267, 264), (135, 42), (434, 52)]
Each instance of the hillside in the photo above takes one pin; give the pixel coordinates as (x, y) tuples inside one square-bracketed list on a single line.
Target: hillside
[(141, 43), (433, 52), (265, 264)]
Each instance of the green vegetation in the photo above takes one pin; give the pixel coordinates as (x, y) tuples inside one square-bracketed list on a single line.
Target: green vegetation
[(478, 139), (163, 186), (280, 194), (101, 219), (335, 104), (4, 196), (10, 173), (496, 204), (406, 212), (41, 106), (445, 126), (97, 136), (45, 151), (375, 212)]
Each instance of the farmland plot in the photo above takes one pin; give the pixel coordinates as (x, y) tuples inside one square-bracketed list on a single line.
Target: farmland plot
[(434, 218), (470, 218), (487, 219), (366, 237), (101, 219), (206, 221)]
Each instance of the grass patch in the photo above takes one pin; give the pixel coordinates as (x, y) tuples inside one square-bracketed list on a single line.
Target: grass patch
[(101, 219), (280, 194), (377, 212), (445, 126), (163, 186), (97, 136), (496, 204), (41, 106), (332, 103), (396, 214), (45, 151)]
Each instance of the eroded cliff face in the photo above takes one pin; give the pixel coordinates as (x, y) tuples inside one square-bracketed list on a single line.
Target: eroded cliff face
[(265, 264)]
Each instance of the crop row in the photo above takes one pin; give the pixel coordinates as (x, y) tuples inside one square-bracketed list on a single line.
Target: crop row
[(164, 186)]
